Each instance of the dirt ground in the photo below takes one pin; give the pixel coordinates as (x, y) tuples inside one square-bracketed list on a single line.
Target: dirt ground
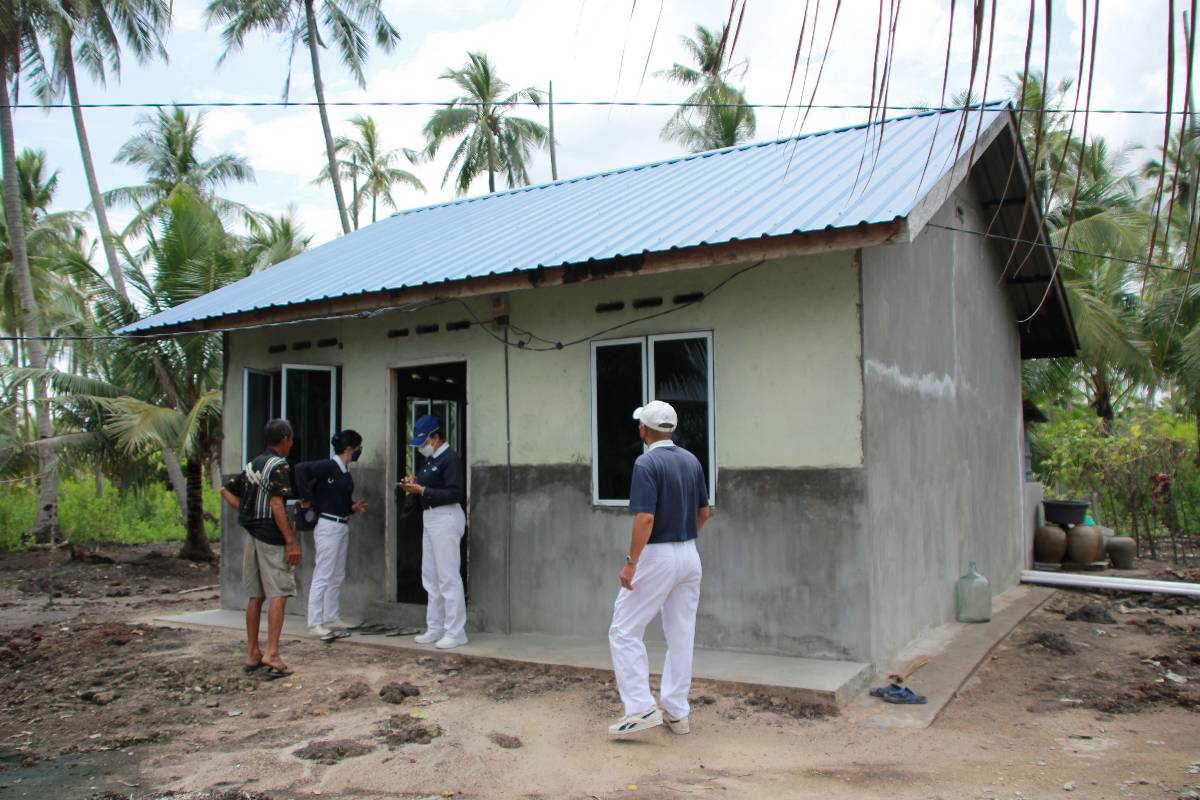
[(96, 702)]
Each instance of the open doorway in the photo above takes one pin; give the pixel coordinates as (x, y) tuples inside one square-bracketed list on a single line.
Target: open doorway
[(441, 390)]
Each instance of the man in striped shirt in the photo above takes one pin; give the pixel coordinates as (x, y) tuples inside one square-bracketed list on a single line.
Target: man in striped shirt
[(272, 552)]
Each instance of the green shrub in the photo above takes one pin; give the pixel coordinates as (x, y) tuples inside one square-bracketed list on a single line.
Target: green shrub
[(142, 516), (18, 505)]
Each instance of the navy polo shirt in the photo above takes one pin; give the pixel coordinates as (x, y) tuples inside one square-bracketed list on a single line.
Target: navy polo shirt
[(669, 483)]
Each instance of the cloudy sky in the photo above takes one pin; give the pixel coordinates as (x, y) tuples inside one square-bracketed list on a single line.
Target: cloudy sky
[(591, 50)]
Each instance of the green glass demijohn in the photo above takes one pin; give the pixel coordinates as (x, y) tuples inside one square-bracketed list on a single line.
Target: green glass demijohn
[(973, 597)]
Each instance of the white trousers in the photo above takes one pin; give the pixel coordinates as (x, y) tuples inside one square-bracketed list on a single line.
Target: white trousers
[(325, 594), (667, 582), (441, 560)]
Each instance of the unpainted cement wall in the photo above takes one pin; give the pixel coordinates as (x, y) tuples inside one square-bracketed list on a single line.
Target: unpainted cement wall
[(942, 436)]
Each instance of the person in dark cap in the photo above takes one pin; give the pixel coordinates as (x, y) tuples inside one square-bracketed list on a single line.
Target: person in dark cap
[(328, 486), (441, 489)]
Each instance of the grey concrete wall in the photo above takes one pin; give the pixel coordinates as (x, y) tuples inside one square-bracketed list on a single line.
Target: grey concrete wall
[(784, 558), (942, 424)]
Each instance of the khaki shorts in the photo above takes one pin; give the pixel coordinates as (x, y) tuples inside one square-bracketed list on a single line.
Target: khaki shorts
[(265, 571)]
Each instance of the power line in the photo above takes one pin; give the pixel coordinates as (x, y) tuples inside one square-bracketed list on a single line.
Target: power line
[(1059, 248), (583, 103)]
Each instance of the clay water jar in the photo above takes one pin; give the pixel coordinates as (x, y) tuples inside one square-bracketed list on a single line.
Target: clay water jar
[(1122, 550), (1084, 544), (1049, 544)]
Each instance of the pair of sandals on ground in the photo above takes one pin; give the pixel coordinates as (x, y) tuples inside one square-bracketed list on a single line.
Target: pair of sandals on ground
[(274, 669)]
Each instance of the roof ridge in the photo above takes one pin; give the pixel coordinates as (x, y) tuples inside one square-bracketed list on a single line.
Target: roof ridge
[(986, 105)]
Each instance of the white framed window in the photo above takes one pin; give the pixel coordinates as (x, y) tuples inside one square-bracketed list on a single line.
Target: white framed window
[(676, 368), (260, 404), (310, 402)]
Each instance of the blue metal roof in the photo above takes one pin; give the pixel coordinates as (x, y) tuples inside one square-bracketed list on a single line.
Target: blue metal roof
[(807, 183)]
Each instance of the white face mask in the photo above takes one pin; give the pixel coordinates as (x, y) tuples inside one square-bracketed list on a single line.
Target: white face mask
[(426, 449)]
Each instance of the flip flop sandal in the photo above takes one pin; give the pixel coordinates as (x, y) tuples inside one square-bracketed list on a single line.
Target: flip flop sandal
[(274, 674), (882, 691), (364, 626), (403, 632), (333, 636), (904, 697), (248, 668)]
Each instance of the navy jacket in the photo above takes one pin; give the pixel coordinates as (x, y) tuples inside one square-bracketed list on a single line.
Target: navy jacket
[(442, 477), (326, 486)]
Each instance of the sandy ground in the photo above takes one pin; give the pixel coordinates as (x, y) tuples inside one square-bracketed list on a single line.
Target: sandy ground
[(96, 703)]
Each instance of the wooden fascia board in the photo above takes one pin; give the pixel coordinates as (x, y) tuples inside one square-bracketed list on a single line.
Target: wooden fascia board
[(727, 254)]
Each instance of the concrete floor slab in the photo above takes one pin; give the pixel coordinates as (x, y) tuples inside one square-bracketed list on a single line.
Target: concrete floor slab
[(957, 650), (810, 680)]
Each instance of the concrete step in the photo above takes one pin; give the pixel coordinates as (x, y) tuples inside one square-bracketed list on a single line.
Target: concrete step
[(826, 683)]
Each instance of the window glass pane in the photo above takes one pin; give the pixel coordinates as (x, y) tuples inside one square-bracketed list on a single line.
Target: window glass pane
[(681, 379), (619, 390), (259, 408), (309, 403)]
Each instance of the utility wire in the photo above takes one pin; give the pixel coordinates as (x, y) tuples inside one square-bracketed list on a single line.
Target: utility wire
[(1058, 248), (585, 103)]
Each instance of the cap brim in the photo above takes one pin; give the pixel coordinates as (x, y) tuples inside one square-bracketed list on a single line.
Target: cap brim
[(417, 441), (637, 414)]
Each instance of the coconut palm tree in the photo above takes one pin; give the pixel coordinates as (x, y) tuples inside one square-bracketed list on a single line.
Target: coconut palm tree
[(725, 122), (342, 23), (167, 147), (20, 48), (189, 254), (373, 168), (714, 115), (91, 34), (273, 239), (492, 139)]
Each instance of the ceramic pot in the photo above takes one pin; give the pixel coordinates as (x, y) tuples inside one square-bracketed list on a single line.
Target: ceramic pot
[(1049, 544), (1084, 544), (1122, 550)]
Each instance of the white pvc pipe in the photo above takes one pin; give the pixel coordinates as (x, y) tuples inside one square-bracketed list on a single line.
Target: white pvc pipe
[(1107, 582)]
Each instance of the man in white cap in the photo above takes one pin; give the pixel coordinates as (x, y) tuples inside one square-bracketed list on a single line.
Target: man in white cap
[(669, 498)]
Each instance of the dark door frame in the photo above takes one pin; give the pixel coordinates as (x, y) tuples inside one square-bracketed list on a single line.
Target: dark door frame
[(442, 380)]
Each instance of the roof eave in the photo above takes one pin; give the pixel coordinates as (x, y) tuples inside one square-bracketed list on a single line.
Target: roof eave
[(701, 256)]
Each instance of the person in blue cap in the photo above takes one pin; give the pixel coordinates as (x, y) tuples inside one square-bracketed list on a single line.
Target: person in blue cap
[(440, 487)]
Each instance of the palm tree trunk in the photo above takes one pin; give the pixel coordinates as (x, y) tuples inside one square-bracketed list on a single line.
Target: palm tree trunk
[(45, 523), (491, 156), (195, 547), (330, 153), (175, 476), (374, 200), (85, 152)]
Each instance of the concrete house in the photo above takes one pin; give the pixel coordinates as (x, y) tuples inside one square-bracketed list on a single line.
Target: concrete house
[(840, 319)]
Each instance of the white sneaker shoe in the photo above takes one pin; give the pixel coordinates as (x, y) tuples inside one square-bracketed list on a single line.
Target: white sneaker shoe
[(337, 623), (429, 637), (318, 630), (679, 726), (636, 722), (449, 642)]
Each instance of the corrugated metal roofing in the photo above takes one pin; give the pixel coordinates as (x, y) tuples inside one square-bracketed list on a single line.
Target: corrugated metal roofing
[(807, 183)]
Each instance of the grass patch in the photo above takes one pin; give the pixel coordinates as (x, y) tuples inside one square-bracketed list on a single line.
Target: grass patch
[(148, 515)]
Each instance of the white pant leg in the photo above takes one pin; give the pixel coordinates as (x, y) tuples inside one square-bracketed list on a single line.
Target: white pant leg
[(679, 628), (339, 544), (435, 611), (445, 526), (632, 612), (325, 540)]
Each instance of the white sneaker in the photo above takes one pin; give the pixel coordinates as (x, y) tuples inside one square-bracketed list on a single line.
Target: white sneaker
[(636, 722), (679, 726), (338, 623), (429, 637), (318, 630), (449, 642)]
